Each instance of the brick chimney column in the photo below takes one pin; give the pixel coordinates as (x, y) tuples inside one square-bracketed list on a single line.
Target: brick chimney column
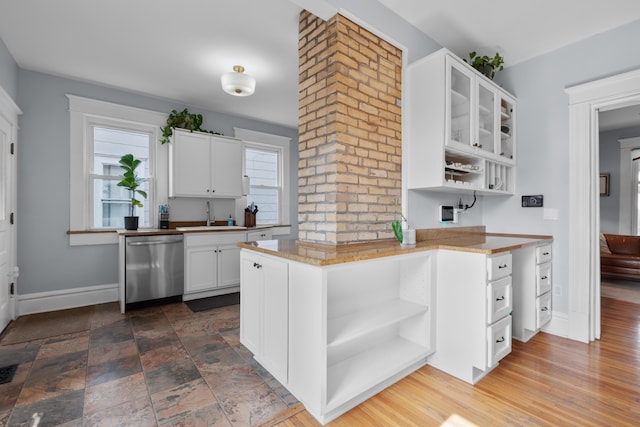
[(350, 132)]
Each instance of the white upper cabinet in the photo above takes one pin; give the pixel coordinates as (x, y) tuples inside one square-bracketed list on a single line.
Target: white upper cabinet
[(460, 128), (204, 165)]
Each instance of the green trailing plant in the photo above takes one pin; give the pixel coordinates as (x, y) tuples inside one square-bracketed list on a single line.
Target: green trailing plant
[(183, 120), (397, 224), (484, 64), (131, 181)]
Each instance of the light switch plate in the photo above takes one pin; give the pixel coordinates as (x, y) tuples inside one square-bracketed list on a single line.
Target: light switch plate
[(532, 201)]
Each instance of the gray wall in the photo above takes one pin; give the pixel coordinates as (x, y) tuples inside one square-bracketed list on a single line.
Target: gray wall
[(610, 163), (391, 25), (8, 72), (543, 135), (46, 261)]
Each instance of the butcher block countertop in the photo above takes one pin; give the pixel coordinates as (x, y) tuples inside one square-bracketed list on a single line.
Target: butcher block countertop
[(466, 239)]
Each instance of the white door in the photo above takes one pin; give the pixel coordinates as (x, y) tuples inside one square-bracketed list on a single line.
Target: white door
[(6, 176)]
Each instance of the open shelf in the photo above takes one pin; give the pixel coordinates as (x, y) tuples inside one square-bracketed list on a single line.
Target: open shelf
[(350, 377), (458, 98), (345, 328)]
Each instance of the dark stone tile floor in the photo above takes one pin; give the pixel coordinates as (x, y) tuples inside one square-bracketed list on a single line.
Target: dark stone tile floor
[(155, 366)]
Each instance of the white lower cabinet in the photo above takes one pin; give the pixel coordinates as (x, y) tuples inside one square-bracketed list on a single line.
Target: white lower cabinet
[(531, 291), (473, 306), (264, 311), (212, 263)]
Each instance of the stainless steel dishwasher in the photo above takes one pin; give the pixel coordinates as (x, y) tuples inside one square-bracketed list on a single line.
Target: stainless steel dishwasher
[(154, 269)]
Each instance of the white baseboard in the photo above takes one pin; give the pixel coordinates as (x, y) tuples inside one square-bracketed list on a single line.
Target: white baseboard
[(41, 302), (559, 325)]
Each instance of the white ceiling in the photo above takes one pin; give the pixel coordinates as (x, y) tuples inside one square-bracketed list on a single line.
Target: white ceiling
[(177, 50)]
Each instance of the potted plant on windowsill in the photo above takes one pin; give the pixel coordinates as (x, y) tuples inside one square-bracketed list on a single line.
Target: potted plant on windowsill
[(131, 182)]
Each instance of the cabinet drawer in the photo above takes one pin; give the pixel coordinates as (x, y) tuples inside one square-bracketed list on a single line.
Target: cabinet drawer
[(543, 254), (498, 340), (543, 310), (499, 266), (213, 238), (498, 299), (543, 278)]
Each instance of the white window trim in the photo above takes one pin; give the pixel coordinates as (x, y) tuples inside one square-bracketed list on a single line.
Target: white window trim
[(283, 144), (628, 191), (83, 112)]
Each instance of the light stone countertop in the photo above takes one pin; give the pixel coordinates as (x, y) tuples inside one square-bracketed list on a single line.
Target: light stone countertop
[(324, 254)]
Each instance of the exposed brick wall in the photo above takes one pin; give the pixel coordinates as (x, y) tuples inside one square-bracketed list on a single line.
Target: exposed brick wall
[(350, 132)]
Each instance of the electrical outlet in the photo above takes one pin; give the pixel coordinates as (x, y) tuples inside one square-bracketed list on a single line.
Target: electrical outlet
[(532, 201)]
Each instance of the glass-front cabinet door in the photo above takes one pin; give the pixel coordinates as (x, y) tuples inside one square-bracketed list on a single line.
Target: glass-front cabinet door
[(459, 102), (487, 123), (507, 128)]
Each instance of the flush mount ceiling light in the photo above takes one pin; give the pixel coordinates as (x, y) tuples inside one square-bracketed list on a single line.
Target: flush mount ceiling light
[(237, 83)]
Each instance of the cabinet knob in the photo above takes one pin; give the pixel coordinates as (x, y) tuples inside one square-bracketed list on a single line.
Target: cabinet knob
[(545, 253), (256, 265), (544, 309), (501, 339), (207, 190), (502, 266), (500, 299), (544, 277)]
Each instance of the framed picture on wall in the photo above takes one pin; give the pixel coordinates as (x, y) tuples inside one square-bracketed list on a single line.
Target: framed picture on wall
[(604, 184)]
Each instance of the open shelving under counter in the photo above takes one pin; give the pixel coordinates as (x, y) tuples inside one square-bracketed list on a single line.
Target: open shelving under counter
[(368, 369), (353, 325)]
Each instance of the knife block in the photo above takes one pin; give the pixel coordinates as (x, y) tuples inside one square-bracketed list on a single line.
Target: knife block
[(249, 219)]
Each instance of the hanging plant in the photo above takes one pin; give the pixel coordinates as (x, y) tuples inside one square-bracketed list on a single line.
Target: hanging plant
[(183, 120), (484, 64)]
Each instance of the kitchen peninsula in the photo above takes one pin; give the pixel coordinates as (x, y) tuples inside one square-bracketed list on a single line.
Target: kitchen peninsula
[(337, 324)]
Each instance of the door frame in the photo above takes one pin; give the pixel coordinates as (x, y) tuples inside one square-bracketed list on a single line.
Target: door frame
[(585, 102), (10, 111)]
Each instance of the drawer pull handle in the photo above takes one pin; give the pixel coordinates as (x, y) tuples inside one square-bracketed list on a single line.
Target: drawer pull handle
[(544, 277), (500, 299), (544, 309), (256, 265), (545, 253), (503, 266), (501, 339)]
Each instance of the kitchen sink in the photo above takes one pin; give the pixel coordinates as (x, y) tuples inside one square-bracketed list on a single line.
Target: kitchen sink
[(210, 228)]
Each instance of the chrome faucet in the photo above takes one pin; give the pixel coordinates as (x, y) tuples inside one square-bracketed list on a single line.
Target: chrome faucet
[(208, 210)]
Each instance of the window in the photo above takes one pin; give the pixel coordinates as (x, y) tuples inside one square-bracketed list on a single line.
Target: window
[(108, 202), (100, 133), (262, 166), (266, 163)]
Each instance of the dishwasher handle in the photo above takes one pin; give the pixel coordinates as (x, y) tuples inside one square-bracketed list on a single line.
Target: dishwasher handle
[(155, 242)]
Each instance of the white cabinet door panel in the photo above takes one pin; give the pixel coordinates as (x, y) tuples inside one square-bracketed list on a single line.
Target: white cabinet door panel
[(228, 265), (200, 269), (190, 165), (226, 168)]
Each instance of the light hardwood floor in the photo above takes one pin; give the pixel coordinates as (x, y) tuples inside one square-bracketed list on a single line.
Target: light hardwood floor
[(549, 381)]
